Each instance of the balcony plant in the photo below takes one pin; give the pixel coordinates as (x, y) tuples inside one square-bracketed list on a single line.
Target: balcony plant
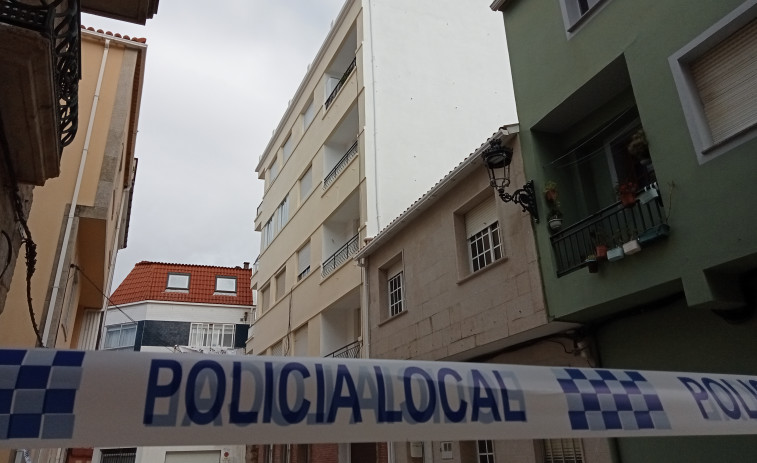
[(616, 252), (626, 191), (600, 244), (554, 218)]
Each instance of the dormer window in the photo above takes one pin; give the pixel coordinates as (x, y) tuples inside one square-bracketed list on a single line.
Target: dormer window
[(226, 285), (178, 282)]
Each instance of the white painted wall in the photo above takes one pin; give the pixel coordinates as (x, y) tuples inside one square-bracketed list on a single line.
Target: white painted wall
[(438, 84), (172, 311)]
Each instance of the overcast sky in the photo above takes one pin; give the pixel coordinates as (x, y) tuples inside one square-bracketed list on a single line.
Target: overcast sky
[(218, 79)]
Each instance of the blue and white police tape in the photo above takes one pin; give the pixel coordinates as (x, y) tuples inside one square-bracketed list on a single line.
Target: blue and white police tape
[(58, 398)]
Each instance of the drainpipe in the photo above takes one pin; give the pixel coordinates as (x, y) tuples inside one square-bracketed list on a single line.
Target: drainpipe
[(72, 209)]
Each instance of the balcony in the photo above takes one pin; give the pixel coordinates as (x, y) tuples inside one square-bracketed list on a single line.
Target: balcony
[(134, 11), (343, 254), (613, 225), (350, 351), (40, 62), (340, 165), (338, 86)]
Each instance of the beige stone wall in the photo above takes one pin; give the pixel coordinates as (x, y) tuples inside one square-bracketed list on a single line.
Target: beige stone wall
[(449, 310)]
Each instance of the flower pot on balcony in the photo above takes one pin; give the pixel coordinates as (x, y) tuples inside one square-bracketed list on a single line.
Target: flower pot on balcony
[(627, 199), (601, 252), (648, 194), (615, 253), (631, 247), (653, 234), (591, 263), (555, 223)]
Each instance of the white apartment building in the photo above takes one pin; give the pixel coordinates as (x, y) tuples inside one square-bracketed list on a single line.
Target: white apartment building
[(396, 93)]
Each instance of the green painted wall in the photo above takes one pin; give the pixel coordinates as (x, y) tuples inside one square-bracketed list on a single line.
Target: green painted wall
[(673, 337), (713, 216)]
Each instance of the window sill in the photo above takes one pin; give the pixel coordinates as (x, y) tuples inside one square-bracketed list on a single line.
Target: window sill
[(390, 319), (473, 275)]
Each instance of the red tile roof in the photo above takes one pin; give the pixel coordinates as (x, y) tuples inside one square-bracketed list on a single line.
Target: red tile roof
[(147, 282), (100, 31)]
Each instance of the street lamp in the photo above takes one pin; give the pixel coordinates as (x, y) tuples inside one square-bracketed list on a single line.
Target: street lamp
[(497, 159)]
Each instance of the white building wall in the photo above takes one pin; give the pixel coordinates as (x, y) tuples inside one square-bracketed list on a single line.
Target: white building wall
[(437, 79)]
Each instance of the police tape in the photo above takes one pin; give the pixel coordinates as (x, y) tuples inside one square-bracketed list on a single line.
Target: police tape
[(59, 398)]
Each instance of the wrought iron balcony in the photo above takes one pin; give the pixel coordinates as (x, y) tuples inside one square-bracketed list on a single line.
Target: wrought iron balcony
[(303, 273), (342, 80), (610, 226), (339, 167), (59, 22), (350, 351), (340, 256)]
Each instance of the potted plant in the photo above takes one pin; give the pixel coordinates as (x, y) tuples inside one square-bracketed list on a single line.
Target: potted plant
[(638, 147), (631, 246), (626, 192), (554, 218), (591, 263), (616, 252), (600, 246)]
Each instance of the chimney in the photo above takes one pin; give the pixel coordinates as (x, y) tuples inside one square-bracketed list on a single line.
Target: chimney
[(246, 265)]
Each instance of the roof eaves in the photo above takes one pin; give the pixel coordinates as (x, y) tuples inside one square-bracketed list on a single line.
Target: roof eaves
[(435, 193)]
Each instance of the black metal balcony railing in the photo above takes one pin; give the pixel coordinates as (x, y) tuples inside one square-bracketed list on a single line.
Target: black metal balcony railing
[(350, 351), (59, 21), (341, 82), (339, 167), (610, 226), (303, 273), (340, 256)]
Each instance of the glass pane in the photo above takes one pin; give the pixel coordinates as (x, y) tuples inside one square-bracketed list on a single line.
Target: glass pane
[(128, 335), (178, 281), (226, 284), (112, 337)]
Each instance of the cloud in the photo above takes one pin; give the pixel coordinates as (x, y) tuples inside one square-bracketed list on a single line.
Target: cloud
[(218, 79)]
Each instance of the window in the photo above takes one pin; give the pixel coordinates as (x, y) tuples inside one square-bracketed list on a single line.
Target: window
[(309, 114), (301, 342), (303, 261), (282, 215), (306, 183), (273, 170), (563, 451), (485, 451), (265, 298), (127, 455), (288, 147), (574, 11), (226, 284), (446, 450), (120, 336), (281, 284), (482, 230), (211, 335), (278, 349), (396, 301), (178, 281), (715, 76)]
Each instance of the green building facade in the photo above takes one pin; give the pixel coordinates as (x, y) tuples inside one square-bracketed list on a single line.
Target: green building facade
[(642, 116)]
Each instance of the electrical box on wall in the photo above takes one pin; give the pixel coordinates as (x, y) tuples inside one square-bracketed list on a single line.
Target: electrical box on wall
[(226, 456), (416, 449)]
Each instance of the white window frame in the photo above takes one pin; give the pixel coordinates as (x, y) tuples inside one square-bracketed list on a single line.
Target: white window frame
[(265, 298), (282, 215), (118, 330), (488, 254), (177, 285), (224, 278), (281, 284), (688, 93), (211, 335), (273, 170), (485, 455), (267, 233), (395, 286)]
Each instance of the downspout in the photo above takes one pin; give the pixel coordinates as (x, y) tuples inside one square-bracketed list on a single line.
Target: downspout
[(375, 124), (74, 203)]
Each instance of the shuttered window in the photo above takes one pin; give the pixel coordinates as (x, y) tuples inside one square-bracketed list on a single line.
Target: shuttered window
[(563, 451), (480, 217), (278, 349), (726, 79), (303, 262)]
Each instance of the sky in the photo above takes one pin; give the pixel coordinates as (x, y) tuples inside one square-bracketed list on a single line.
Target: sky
[(218, 78)]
